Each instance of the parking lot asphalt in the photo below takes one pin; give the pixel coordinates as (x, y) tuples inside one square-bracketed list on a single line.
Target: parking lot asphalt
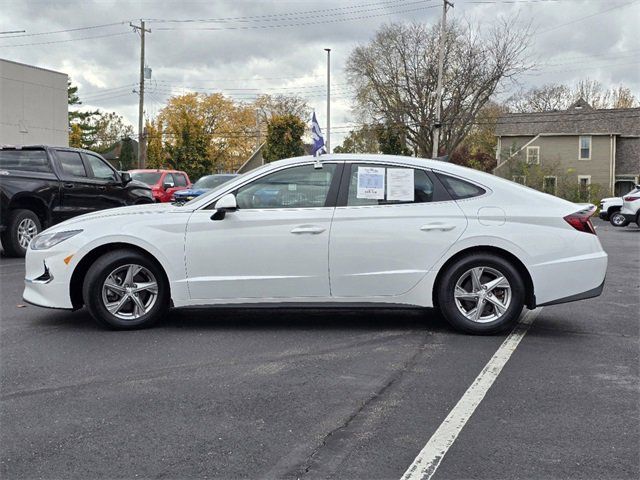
[(272, 393)]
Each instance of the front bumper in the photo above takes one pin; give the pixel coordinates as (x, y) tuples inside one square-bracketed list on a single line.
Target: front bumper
[(47, 277)]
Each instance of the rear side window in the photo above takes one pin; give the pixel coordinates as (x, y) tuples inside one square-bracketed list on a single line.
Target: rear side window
[(29, 160), (180, 179), (460, 189), (71, 163)]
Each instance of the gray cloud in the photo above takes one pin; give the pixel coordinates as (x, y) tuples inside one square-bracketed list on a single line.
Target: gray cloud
[(290, 58)]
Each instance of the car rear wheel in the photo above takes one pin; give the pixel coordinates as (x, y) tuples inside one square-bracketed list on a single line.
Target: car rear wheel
[(125, 290), (22, 226), (481, 294), (618, 220)]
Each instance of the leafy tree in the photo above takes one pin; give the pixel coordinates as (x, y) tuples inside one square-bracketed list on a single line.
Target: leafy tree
[(391, 140), (360, 140), (128, 159), (156, 157), (203, 133), (395, 77), (284, 137)]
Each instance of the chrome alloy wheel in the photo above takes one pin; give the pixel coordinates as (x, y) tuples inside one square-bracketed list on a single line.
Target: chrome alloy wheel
[(618, 219), (27, 229), (482, 294), (129, 292)]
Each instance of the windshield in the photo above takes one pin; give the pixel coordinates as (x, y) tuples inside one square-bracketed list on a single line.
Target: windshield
[(150, 178), (213, 181)]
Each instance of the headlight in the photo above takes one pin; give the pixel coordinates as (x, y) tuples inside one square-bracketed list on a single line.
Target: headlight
[(48, 240)]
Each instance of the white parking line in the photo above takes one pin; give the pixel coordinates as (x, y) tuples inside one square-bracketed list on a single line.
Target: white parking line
[(428, 460)]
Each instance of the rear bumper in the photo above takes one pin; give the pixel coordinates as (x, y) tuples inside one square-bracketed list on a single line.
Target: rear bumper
[(569, 279), (595, 292)]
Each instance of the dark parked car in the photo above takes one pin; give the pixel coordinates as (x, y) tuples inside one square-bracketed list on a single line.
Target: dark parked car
[(203, 185), (41, 186)]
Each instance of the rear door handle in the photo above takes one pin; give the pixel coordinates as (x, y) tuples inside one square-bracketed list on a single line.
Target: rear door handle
[(309, 229), (443, 227), (67, 185), (102, 187)]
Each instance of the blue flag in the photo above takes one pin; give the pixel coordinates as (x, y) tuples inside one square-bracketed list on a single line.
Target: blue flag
[(316, 135)]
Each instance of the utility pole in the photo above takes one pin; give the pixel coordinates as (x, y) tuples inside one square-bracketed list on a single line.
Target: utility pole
[(328, 142), (443, 34), (142, 153)]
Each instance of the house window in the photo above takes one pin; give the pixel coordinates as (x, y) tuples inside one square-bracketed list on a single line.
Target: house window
[(533, 155), (550, 185), (521, 179), (585, 148), (584, 191)]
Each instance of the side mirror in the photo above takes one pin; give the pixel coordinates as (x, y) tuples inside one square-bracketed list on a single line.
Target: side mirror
[(166, 186), (225, 204), (125, 177)]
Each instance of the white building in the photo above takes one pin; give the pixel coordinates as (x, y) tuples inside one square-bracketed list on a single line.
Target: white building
[(33, 105)]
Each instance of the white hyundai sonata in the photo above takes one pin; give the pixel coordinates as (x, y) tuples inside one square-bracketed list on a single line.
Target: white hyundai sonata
[(348, 230)]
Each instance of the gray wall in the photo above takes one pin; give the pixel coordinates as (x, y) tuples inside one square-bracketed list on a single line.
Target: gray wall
[(33, 105)]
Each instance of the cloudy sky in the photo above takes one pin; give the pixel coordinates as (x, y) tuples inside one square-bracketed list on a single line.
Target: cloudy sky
[(247, 47)]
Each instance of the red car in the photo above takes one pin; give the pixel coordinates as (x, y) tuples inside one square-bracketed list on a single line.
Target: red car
[(163, 183)]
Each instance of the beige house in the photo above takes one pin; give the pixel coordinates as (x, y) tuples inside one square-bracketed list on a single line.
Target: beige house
[(580, 144)]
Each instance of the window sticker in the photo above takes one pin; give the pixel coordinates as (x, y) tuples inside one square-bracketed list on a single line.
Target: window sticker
[(400, 184), (371, 183)]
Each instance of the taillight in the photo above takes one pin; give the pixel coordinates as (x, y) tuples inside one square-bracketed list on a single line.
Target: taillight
[(581, 221), (630, 199)]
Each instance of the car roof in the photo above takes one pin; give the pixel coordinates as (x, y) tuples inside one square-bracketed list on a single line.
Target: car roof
[(46, 147)]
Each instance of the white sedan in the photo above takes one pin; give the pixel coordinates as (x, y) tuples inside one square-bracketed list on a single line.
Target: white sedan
[(349, 230)]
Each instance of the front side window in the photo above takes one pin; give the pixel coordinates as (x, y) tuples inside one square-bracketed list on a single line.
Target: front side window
[(101, 171), (168, 180), (533, 155), (296, 187), (585, 148), (71, 163), (181, 180), (388, 185)]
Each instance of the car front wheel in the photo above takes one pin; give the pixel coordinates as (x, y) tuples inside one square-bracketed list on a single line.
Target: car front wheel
[(481, 294), (124, 289), (618, 220)]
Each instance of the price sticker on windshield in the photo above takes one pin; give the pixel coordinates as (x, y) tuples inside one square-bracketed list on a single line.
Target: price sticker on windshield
[(371, 183)]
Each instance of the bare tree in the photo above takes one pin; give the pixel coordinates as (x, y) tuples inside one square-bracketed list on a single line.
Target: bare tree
[(560, 97), (395, 77)]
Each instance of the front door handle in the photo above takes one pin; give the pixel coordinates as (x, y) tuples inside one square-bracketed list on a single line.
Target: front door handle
[(443, 227), (310, 229), (67, 185), (102, 187)]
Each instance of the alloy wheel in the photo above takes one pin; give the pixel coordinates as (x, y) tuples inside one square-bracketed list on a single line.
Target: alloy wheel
[(129, 292), (27, 229), (482, 294), (618, 219)]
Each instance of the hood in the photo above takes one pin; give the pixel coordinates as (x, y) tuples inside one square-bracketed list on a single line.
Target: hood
[(146, 209)]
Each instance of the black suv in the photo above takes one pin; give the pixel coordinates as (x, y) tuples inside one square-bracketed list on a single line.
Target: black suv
[(41, 186)]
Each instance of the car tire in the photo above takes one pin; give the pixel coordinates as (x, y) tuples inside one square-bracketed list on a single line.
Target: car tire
[(498, 288), (126, 273), (618, 220), (22, 226)]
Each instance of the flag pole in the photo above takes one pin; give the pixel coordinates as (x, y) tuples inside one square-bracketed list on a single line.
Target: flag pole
[(328, 142)]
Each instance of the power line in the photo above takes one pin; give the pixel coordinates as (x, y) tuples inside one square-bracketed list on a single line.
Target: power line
[(279, 16), (64, 41), (52, 32), (319, 22), (580, 19)]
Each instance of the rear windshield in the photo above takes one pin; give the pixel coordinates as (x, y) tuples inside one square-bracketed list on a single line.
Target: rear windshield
[(150, 178), (29, 160)]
